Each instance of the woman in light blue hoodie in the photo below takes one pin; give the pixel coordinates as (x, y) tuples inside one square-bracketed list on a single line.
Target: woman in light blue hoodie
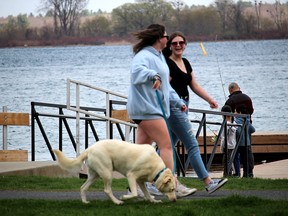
[(150, 73), (149, 77)]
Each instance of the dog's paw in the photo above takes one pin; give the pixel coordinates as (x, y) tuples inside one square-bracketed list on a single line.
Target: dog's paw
[(155, 201), (119, 202), (85, 201), (127, 196)]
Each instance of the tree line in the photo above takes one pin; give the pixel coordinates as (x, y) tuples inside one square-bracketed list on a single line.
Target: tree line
[(72, 23)]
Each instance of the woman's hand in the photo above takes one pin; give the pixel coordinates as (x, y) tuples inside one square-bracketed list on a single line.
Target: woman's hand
[(213, 104), (183, 108), (157, 84), (156, 81)]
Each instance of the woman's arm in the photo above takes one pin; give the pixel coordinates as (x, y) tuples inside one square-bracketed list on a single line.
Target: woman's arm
[(198, 90)]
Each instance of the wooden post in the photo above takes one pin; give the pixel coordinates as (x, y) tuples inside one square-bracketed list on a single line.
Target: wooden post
[(5, 132), (17, 119)]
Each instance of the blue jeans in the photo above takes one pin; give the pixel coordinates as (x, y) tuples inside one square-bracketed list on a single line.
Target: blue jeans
[(237, 164), (181, 128), (240, 157)]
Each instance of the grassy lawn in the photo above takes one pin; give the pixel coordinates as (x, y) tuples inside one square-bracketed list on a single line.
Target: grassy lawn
[(233, 205), (57, 184)]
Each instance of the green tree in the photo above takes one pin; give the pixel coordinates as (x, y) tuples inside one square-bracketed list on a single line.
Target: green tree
[(121, 19), (97, 26), (22, 22), (201, 21), (16, 28), (131, 17)]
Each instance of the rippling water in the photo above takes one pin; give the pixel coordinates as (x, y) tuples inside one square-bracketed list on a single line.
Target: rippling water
[(40, 74)]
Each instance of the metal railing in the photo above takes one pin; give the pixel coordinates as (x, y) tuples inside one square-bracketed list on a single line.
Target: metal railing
[(77, 108), (203, 125), (90, 115), (36, 120)]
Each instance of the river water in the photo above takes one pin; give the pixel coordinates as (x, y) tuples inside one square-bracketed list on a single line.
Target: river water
[(40, 75)]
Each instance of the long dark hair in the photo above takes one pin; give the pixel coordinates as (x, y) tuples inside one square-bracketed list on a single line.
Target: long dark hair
[(148, 36), (167, 51)]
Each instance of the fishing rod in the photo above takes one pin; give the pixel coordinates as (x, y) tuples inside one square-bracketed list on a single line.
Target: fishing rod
[(218, 66), (205, 54)]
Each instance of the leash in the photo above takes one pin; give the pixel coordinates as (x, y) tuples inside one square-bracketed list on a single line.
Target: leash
[(168, 126)]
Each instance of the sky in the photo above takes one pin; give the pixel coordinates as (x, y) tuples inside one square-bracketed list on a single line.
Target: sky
[(15, 7)]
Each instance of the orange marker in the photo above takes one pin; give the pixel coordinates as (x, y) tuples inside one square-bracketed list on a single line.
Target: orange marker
[(203, 49)]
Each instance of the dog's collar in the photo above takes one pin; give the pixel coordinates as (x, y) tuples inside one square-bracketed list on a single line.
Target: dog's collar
[(158, 174)]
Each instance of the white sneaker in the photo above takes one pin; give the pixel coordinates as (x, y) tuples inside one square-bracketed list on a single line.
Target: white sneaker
[(182, 190), (215, 184), (152, 189)]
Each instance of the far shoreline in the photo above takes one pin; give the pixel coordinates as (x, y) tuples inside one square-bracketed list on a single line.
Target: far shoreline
[(34, 45), (30, 44)]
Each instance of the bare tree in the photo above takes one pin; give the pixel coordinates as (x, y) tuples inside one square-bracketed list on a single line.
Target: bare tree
[(278, 15), (66, 14), (222, 6), (236, 17)]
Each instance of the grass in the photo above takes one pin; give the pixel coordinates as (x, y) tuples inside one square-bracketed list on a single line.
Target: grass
[(57, 184), (232, 205)]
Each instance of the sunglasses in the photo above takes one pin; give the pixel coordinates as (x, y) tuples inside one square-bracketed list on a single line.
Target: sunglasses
[(181, 43), (166, 36)]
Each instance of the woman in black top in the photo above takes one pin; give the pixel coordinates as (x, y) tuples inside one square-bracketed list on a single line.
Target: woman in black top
[(181, 72), (182, 76), (179, 79)]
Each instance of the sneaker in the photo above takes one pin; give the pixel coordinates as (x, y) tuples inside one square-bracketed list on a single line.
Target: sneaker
[(182, 190), (215, 184), (152, 189)]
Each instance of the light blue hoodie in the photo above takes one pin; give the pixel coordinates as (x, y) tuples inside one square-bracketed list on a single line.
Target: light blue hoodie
[(142, 99)]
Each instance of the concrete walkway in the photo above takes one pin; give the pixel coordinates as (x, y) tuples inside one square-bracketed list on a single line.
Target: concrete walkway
[(273, 170)]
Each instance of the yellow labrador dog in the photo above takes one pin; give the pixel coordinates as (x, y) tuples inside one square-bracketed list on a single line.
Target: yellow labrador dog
[(139, 163)]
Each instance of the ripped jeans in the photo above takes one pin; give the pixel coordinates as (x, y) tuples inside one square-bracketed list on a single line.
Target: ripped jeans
[(182, 129)]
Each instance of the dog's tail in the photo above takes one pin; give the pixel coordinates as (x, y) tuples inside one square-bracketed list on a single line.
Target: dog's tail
[(72, 165)]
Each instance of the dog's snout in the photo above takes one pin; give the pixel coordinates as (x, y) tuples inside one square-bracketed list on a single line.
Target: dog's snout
[(171, 196), (173, 199)]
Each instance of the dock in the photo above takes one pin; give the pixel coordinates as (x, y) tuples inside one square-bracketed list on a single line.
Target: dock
[(266, 146)]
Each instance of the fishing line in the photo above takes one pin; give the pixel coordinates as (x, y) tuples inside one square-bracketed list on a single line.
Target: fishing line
[(196, 116), (218, 65)]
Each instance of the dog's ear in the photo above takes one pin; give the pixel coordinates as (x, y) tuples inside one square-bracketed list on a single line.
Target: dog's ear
[(164, 181), (167, 179)]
